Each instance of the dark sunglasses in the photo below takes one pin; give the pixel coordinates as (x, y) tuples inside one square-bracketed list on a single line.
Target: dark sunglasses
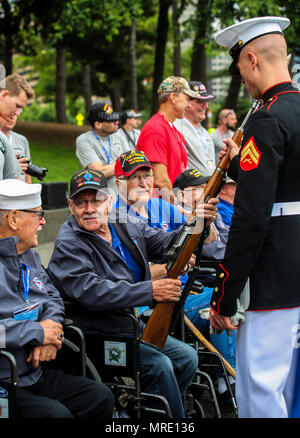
[(229, 112)]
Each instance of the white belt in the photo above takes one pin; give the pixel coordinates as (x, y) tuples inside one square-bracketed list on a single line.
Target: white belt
[(285, 208)]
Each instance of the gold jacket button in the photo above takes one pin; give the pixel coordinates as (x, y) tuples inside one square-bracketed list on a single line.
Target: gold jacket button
[(216, 289), (214, 303), (222, 275)]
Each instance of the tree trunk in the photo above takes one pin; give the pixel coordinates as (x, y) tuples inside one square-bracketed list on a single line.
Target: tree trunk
[(11, 26), (198, 63), (233, 92), (160, 47), (8, 54), (116, 98), (86, 87), (133, 77), (60, 101), (176, 40)]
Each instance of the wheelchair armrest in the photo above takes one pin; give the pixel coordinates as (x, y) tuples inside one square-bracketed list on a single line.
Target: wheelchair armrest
[(70, 328), (206, 270), (13, 365)]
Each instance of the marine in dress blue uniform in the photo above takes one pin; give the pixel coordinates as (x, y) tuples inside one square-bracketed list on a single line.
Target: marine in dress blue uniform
[(263, 243)]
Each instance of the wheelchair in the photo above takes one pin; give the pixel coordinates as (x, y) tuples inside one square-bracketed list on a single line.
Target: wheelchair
[(114, 360), (9, 391), (209, 361)]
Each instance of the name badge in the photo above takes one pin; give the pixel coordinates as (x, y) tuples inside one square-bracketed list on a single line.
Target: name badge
[(28, 311)]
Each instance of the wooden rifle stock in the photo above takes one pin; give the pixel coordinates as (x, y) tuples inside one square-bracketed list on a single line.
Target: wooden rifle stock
[(158, 325)]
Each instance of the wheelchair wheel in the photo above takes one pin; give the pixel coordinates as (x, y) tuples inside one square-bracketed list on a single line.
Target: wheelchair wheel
[(91, 370), (198, 410), (193, 408)]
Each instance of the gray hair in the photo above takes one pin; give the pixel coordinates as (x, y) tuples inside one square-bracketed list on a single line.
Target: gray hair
[(3, 215)]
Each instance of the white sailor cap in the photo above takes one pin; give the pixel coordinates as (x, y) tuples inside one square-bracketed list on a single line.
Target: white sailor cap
[(235, 37), (16, 195)]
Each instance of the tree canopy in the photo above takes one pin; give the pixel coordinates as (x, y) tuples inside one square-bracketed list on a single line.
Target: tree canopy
[(79, 50)]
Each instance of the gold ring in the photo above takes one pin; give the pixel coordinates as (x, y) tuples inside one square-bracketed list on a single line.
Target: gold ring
[(49, 356)]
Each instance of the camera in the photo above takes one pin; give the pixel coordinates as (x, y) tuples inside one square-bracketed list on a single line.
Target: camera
[(33, 170)]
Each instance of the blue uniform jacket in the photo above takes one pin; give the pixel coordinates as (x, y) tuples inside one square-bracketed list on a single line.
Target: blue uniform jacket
[(263, 247), (21, 336)]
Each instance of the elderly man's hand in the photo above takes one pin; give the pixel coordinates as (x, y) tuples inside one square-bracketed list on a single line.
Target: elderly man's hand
[(43, 353), (166, 289), (53, 333)]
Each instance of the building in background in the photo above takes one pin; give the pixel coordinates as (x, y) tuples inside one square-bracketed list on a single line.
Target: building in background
[(218, 86)]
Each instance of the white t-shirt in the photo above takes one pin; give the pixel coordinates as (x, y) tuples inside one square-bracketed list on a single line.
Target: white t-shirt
[(9, 166), (199, 146), (106, 150), (20, 146), (128, 139)]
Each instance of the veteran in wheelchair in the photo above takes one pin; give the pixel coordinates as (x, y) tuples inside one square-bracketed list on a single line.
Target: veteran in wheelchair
[(32, 317), (102, 266)]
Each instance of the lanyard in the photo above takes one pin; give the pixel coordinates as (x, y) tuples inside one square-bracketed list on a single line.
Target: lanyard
[(221, 132), (199, 135), (108, 154), (203, 142), (25, 279)]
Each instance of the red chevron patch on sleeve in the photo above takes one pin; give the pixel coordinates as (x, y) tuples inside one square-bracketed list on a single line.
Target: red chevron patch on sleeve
[(250, 155)]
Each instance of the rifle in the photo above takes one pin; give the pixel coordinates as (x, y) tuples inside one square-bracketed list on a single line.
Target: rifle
[(159, 323)]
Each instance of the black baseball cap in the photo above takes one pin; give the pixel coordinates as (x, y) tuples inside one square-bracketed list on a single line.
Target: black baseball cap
[(200, 90), (130, 161), (190, 177), (129, 114), (102, 112), (87, 179)]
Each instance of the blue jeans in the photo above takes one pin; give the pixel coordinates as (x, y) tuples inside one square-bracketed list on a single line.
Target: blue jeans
[(168, 372), (223, 343)]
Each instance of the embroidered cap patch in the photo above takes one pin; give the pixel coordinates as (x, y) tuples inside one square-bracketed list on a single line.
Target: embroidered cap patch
[(250, 155)]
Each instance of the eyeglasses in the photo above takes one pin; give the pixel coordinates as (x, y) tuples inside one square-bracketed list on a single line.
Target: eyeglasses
[(39, 213), (229, 112), (137, 178), (83, 203), (200, 102)]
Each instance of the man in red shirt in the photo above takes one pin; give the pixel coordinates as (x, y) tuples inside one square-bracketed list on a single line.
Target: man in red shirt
[(163, 144)]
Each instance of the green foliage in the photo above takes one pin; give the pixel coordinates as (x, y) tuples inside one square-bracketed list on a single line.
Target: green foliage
[(37, 112), (58, 170), (45, 112), (97, 32), (105, 16)]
